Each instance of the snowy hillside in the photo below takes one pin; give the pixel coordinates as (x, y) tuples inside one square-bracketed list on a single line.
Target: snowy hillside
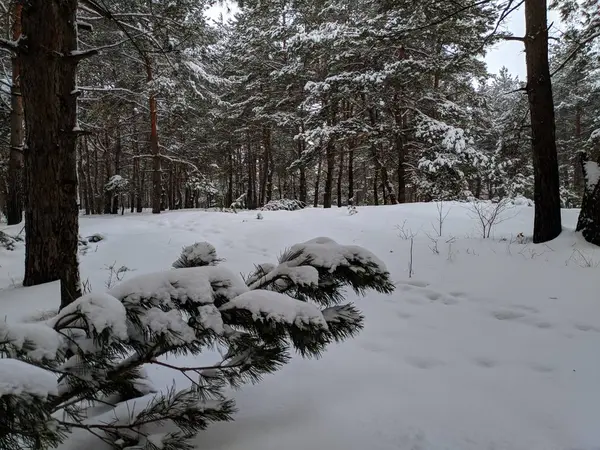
[(486, 344)]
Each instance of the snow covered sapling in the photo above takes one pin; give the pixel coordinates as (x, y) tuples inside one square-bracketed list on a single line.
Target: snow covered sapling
[(84, 370)]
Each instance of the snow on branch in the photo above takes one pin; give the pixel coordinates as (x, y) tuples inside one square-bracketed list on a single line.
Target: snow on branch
[(95, 351), (272, 306), (18, 378)]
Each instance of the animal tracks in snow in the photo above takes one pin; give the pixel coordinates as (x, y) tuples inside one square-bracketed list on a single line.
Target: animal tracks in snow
[(421, 293)]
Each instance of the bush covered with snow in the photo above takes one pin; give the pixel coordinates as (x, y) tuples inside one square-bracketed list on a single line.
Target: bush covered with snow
[(284, 204), (85, 368), (9, 242)]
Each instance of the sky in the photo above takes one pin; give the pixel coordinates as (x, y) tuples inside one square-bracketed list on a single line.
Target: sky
[(511, 53), (507, 53)]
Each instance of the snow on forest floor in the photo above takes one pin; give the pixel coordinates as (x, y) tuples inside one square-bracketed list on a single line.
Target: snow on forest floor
[(491, 344)]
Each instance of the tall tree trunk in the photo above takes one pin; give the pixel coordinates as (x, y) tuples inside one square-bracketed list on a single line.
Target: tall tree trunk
[(400, 153), (83, 195), (270, 165), (14, 204), (154, 148), (88, 185), (116, 193), (589, 217), (108, 195), (375, 187), (340, 180), (141, 193), (379, 166), (351, 173), (303, 196), (578, 174), (547, 220), (48, 74), (318, 181), (229, 198), (330, 159)]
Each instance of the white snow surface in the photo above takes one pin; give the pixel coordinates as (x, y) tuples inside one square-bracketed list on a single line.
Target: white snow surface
[(491, 344), (18, 378), (278, 307)]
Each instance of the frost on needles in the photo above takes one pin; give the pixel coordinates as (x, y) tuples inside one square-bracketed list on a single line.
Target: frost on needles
[(84, 370)]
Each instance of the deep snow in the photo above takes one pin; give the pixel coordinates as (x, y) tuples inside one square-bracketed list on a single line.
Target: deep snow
[(491, 344)]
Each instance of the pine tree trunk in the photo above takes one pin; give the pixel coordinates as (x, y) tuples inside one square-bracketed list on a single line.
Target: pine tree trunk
[(107, 174), (157, 190), (88, 185), (318, 181), (14, 201), (303, 195), (351, 173), (589, 217), (340, 180), (83, 195), (141, 193), (48, 73), (375, 193), (115, 193), (400, 152), (578, 174), (229, 198), (269, 165), (330, 159), (547, 219)]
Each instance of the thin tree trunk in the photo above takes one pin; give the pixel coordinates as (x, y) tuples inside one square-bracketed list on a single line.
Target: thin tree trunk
[(116, 193), (589, 217), (269, 165), (375, 186), (318, 180), (83, 195), (88, 185), (141, 192), (14, 204), (351, 173), (578, 173), (547, 219), (340, 180), (154, 147), (48, 75), (330, 158)]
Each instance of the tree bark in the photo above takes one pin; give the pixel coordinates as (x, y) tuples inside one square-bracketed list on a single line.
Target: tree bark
[(578, 174), (154, 147), (117, 193), (340, 180), (14, 204), (589, 217), (48, 73), (318, 181), (330, 159), (547, 219), (351, 173)]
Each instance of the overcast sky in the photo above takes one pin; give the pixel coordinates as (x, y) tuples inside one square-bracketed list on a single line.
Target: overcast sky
[(508, 53)]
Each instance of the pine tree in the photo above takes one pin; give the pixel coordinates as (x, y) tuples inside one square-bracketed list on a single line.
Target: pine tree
[(84, 370)]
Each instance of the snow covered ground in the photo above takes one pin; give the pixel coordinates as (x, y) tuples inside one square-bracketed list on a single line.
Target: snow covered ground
[(490, 344)]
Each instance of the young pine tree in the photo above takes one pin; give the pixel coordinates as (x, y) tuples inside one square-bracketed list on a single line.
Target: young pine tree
[(82, 372)]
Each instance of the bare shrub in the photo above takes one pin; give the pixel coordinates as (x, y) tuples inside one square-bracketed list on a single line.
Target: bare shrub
[(489, 214)]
